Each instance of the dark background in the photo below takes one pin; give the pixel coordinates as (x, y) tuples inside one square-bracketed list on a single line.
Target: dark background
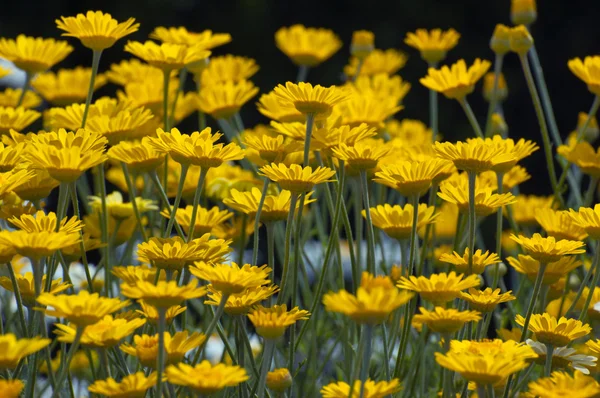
[(565, 29)]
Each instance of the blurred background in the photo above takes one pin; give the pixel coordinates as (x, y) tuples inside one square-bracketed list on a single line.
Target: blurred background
[(564, 29)]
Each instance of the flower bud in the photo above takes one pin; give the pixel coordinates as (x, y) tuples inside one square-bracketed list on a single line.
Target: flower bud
[(499, 126), (520, 40), (279, 380), (363, 43), (500, 41), (523, 12), (488, 87), (592, 131)]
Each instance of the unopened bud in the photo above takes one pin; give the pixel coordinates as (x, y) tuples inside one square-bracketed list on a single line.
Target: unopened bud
[(488, 87), (500, 41), (363, 43), (520, 40), (523, 12)]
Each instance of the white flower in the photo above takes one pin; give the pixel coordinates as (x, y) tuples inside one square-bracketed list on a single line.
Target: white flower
[(580, 362)]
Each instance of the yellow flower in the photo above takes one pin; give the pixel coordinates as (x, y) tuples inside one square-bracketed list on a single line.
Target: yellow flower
[(363, 43), (34, 54), (228, 68), (363, 155), (486, 300), (378, 61), (318, 100), (548, 250), (10, 97), (275, 207), (409, 132), (525, 208), (166, 56), (39, 244), (224, 100), (106, 333), (180, 35), (584, 156), (163, 294), (328, 137), (269, 105), (562, 384), (439, 288), (433, 44), (132, 273), (10, 156), (169, 253), (456, 82), (151, 313), (16, 118), (27, 288), (307, 46), (241, 303), (515, 176), (271, 323), (13, 350), (510, 152), (554, 270), (520, 40), (279, 379), (140, 157), (381, 86), (231, 279), (206, 219), (523, 12), (295, 178), (558, 333), (475, 155), (133, 71), (373, 303), (588, 219), (118, 209), (481, 260), (205, 378), (270, 147), (11, 388), (396, 221), (67, 86), (411, 178), (145, 347), (444, 320), (561, 224), (372, 389), (81, 309), (42, 222), (4, 72), (488, 87), (130, 386), (368, 109), (456, 191)]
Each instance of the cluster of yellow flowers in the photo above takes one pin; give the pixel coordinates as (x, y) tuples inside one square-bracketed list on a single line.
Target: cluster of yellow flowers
[(399, 295)]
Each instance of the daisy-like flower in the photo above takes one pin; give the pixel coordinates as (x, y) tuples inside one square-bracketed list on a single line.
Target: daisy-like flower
[(520, 40), (140, 157), (169, 253), (560, 224), (34, 54), (120, 210), (444, 320), (180, 35), (310, 100), (562, 384), (588, 219), (588, 71), (296, 178), (396, 221), (224, 100), (10, 97), (363, 43), (409, 132), (381, 86), (548, 250), (411, 178), (163, 294), (474, 155), (241, 303), (13, 180), (378, 61), (228, 68), (81, 309), (371, 389), (329, 137), (271, 323), (132, 273), (231, 279), (515, 176), (67, 86), (11, 388), (486, 202), (16, 119), (166, 56), (584, 156), (363, 155), (39, 244), (205, 378), (26, 286), (458, 81), (10, 156), (480, 260), (554, 271), (96, 30), (525, 208), (439, 288), (206, 219), (42, 222), (433, 45), (106, 333), (271, 148), (307, 46), (279, 380), (486, 300), (510, 152), (374, 301), (16, 349), (149, 94), (368, 109), (133, 71), (275, 207), (151, 313), (563, 357), (269, 105), (130, 386), (556, 332), (145, 347)]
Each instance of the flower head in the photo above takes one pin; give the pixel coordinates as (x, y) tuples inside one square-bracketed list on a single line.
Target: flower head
[(561, 224), (271, 148), (269, 105), (140, 157), (446, 320), (295, 178), (206, 219), (381, 86), (520, 40), (228, 68), (67, 86), (205, 378), (224, 100), (363, 155), (411, 178), (554, 271), (588, 219), (130, 386), (563, 357), (363, 43), (275, 207), (474, 155), (369, 109), (16, 118), (107, 332), (13, 349), (81, 309), (26, 286), (279, 379), (145, 347), (548, 250), (11, 388), (378, 61), (486, 300), (556, 332), (433, 44), (151, 313), (500, 41), (241, 303), (458, 81), (272, 322), (170, 253), (307, 46), (166, 56), (562, 384), (34, 54), (309, 99), (523, 12), (163, 294), (206, 39), (587, 70), (10, 97), (372, 389), (480, 260), (439, 288), (231, 279), (396, 221)]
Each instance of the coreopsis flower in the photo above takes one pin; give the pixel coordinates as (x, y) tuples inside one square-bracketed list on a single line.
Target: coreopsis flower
[(269, 105), (26, 286), (96, 30), (10, 156), (296, 178), (555, 332), (34, 54), (554, 271), (168, 253), (279, 379), (515, 176), (205, 378), (458, 81), (523, 12), (145, 347), (548, 250), (563, 384), (561, 224), (132, 385), (588, 219), (381, 86), (151, 313), (67, 155), (67, 86), (500, 41), (39, 244), (271, 323), (409, 132), (163, 294), (375, 300), (378, 61), (271, 147), (474, 155), (433, 45), (10, 97), (81, 309), (488, 87), (368, 109), (411, 178), (133, 71), (11, 388), (228, 68), (139, 156), (328, 138), (241, 303), (371, 389), (206, 39), (16, 118), (132, 273), (444, 320), (363, 155), (396, 221), (166, 56), (224, 100), (308, 99), (106, 333), (520, 40), (486, 300), (206, 219), (584, 156), (439, 288), (480, 260), (120, 210), (14, 350), (275, 207), (563, 357), (486, 202), (231, 279), (307, 46), (525, 208)]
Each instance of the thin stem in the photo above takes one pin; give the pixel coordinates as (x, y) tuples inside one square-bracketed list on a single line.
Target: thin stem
[(494, 97), (105, 240), (264, 368), (446, 374), (536, 291), (472, 219), (548, 366), (166, 81), (213, 324), (184, 171), (196, 202), (589, 195), (496, 278), (88, 100), (414, 200), (165, 200), (25, 88), (433, 113), (366, 358), (64, 370), (17, 293), (201, 115), (302, 73), (595, 279), (84, 260), (364, 187), (261, 203), (132, 199), (471, 116), (182, 77), (310, 121), (287, 249), (271, 252), (160, 358)]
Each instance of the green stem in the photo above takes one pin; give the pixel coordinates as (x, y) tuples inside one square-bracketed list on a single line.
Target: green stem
[(84, 260), (201, 115), (595, 279), (132, 199), (25, 88), (213, 324), (433, 113), (302, 73), (196, 202), (65, 369), (17, 293), (172, 217), (160, 358), (548, 366), (536, 291), (266, 364), (88, 100), (589, 195), (166, 81), (496, 278), (472, 219), (494, 98), (287, 249), (414, 201), (271, 252), (182, 77), (471, 116), (310, 121), (446, 374), (261, 203), (165, 200), (364, 187), (105, 240), (366, 357)]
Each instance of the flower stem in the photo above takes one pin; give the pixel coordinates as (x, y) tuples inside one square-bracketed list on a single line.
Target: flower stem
[(84, 260), (364, 187), (548, 366), (496, 278), (132, 199), (472, 219), (536, 291), (494, 98), (446, 374), (105, 240), (160, 358), (302, 73), (201, 115), (17, 293), (414, 201), (65, 369), (88, 100), (264, 368), (165, 200), (184, 171), (589, 195), (261, 203), (433, 113), (366, 357), (211, 327), (471, 116), (182, 78), (166, 81), (310, 121), (271, 252), (595, 279), (196, 202), (25, 88), (287, 249)]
